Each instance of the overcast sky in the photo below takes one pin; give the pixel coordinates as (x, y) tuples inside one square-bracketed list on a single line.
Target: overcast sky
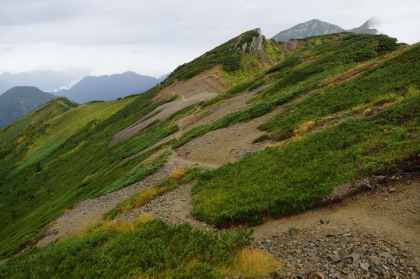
[(152, 37)]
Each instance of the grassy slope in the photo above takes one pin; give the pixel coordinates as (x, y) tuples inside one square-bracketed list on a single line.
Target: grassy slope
[(295, 176), (36, 194), (42, 114), (60, 128), (224, 55), (304, 71)]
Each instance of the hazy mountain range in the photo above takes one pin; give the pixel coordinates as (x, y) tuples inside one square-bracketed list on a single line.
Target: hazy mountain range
[(44, 80), (108, 87), (20, 100), (317, 27)]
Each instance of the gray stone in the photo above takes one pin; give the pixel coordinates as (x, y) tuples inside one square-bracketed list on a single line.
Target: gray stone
[(324, 220), (335, 275), (293, 231), (355, 256), (364, 266), (335, 258), (386, 255)]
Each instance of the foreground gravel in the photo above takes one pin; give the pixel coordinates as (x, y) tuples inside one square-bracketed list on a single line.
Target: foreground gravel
[(332, 253)]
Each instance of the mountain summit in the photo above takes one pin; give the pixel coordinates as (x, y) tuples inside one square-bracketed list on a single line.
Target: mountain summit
[(315, 27)]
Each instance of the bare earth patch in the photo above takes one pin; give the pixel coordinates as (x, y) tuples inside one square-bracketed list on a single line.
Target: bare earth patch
[(199, 88)]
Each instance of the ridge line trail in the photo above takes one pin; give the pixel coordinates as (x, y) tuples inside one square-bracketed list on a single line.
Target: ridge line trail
[(89, 211)]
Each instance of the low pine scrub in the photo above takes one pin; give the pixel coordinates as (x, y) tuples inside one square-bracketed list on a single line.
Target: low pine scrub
[(148, 249)]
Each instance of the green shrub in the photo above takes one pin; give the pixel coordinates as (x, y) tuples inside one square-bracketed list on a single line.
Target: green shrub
[(294, 177), (152, 249)]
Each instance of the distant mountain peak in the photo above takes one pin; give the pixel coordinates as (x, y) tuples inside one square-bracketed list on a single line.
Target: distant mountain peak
[(365, 28), (108, 87), (310, 28), (315, 27), (19, 101)]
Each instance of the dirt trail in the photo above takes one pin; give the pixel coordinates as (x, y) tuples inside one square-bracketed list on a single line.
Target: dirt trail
[(91, 210), (199, 88), (232, 143), (202, 117)]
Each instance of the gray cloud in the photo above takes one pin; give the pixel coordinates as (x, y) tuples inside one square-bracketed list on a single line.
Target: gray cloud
[(172, 32)]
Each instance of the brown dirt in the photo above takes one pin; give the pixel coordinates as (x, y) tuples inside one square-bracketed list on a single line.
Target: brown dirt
[(202, 117), (199, 88), (173, 207), (92, 210), (232, 143)]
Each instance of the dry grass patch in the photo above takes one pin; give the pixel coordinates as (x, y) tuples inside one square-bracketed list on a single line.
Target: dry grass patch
[(253, 264), (118, 225), (178, 174), (304, 128)]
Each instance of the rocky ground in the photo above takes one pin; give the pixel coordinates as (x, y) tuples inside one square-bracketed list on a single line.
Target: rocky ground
[(173, 207), (373, 234), (338, 253)]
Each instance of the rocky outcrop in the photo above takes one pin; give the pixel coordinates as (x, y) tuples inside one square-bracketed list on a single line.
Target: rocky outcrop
[(255, 46)]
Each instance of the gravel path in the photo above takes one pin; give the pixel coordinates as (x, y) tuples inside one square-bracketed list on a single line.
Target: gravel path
[(173, 207), (92, 210), (373, 234)]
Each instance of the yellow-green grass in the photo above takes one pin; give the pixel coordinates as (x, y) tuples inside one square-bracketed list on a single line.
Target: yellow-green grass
[(63, 126), (48, 111)]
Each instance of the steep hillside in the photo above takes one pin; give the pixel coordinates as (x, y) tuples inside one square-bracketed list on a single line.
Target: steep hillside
[(245, 134), (19, 101), (44, 113), (105, 88)]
